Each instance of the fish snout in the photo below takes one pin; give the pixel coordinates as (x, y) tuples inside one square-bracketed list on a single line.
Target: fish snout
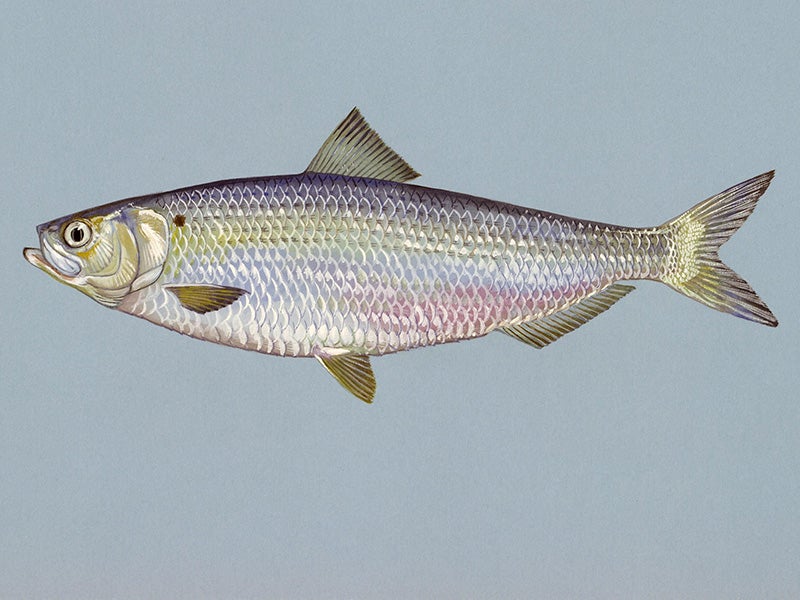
[(33, 256), (52, 262), (37, 259)]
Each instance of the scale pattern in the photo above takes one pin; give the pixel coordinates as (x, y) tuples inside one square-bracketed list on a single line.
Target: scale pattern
[(370, 266)]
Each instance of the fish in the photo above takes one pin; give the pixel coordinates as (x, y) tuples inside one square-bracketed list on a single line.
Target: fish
[(346, 260)]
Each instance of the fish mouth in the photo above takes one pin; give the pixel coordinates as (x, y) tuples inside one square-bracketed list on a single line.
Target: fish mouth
[(36, 258), (51, 262)]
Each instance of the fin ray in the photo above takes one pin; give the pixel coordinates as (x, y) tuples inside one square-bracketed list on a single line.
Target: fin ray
[(698, 233), (205, 298), (544, 331), (355, 149), (353, 372)]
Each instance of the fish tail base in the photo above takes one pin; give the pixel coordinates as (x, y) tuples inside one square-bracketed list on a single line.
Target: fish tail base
[(695, 268)]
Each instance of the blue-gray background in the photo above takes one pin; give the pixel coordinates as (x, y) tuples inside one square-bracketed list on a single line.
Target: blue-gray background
[(654, 453)]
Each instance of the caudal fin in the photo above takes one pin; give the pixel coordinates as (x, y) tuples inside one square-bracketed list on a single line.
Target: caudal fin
[(697, 234)]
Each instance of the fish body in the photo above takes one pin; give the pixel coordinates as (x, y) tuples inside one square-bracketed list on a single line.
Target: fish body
[(346, 260), (330, 261)]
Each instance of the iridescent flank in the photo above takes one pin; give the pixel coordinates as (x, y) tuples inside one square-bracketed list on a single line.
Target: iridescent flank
[(377, 267), (346, 260)]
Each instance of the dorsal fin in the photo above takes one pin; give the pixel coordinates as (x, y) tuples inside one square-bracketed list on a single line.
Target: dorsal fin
[(544, 331), (355, 149), (205, 298), (354, 372)]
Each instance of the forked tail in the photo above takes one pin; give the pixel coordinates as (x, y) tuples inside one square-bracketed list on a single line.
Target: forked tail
[(695, 268)]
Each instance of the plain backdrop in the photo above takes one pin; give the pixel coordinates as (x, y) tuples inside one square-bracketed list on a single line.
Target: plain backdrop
[(655, 453)]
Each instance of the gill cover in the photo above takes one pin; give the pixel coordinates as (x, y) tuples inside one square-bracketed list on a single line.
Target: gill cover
[(126, 252), (128, 256)]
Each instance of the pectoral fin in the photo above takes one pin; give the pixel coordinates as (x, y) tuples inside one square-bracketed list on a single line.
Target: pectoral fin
[(205, 298), (354, 372), (544, 331)]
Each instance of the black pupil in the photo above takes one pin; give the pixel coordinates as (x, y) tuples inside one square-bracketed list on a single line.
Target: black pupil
[(77, 234)]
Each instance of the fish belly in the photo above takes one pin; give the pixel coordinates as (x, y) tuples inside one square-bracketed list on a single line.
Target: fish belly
[(332, 263)]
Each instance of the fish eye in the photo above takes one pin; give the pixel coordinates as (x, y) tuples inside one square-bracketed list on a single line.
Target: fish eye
[(77, 234)]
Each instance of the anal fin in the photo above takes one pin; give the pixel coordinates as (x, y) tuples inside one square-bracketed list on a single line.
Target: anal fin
[(205, 298), (353, 372), (544, 331)]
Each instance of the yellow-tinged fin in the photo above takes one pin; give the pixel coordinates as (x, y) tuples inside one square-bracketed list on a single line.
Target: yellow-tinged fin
[(546, 330), (354, 372), (205, 298), (355, 149), (697, 271)]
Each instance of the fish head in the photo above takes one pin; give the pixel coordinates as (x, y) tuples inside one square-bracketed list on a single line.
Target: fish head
[(106, 254)]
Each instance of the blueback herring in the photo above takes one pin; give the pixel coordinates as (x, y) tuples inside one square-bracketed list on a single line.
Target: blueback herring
[(345, 260)]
